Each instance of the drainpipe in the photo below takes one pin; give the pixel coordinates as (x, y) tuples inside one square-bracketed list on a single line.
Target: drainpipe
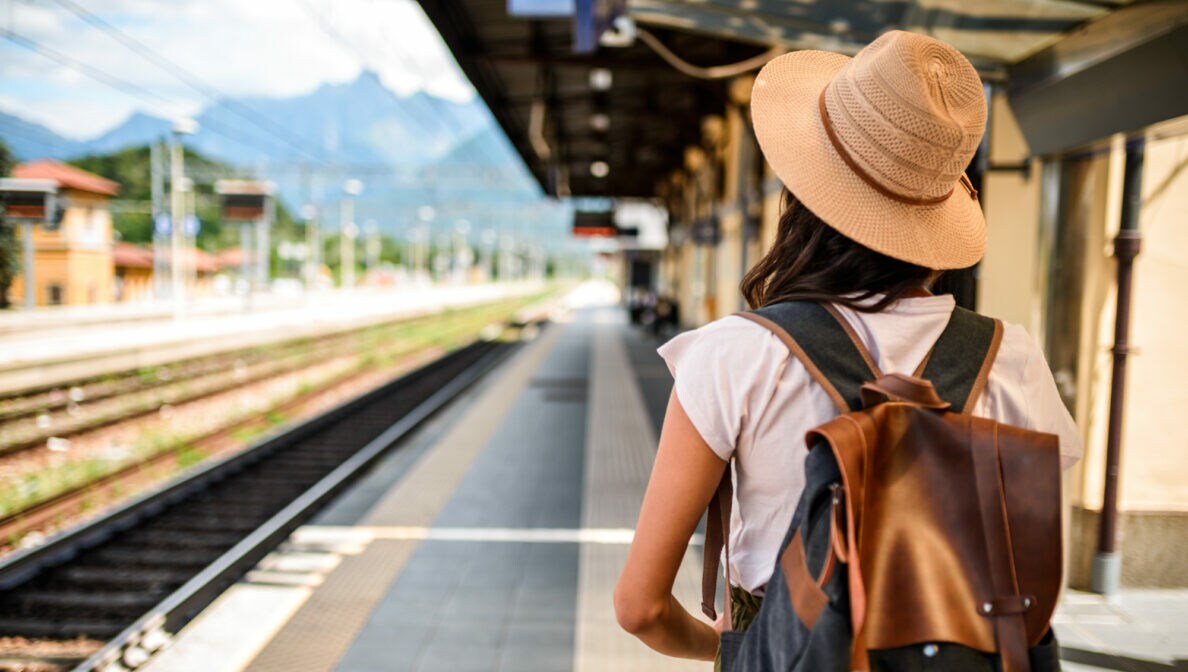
[(1107, 563)]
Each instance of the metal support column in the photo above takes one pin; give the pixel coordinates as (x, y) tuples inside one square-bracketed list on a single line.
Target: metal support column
[(1107, 563), (176, 217)]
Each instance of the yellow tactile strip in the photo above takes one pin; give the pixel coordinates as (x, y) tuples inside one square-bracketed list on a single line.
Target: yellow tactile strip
[(317, 636)]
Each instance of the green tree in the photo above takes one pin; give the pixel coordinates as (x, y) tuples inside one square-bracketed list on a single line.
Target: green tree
[(132, 217), (10, 255)]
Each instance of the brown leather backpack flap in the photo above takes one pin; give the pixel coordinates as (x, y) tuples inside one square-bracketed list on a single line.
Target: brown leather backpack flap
[(1030, 463), (917, 523)]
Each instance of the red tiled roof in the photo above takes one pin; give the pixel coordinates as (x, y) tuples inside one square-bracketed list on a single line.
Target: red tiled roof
[(232, 256), (128, 255), (204, 262), (67, 176)]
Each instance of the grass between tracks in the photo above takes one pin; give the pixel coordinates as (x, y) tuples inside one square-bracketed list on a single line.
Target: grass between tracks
[(391, 349)]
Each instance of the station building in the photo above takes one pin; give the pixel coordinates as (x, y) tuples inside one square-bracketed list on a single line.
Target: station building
[(1087, 136), (73, 257)]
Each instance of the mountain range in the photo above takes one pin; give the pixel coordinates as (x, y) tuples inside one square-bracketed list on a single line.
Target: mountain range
[(355, 122), (410, 151)]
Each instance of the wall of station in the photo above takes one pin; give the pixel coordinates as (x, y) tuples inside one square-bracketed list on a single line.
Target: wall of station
[(72, 261), (1153, 492), (1049, 267)]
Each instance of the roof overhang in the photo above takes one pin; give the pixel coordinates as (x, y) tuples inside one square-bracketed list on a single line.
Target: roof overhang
[(1119, 74), (622, 141)]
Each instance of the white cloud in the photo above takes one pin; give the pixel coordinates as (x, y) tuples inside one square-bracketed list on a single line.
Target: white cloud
[(266, 48)]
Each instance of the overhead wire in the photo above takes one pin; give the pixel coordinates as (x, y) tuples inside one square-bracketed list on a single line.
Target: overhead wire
[(83, 68), (189, 79), (154, 100)]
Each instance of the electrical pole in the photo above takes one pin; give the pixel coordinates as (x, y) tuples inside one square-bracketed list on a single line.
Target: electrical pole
[(350, 188), (263, 243), (177, 214), (309, 214), (157, 175), (371, 244)]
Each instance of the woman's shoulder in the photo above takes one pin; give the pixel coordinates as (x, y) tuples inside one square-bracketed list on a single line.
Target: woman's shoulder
[(723, 337), (728, 351), (1016, 352)]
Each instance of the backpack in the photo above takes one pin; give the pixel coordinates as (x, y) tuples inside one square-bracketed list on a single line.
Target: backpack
[(925, 539)]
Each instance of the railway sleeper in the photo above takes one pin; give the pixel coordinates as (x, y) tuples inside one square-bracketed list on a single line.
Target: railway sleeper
[(61, 629), (238, 522), (147, 557), (66, 602), (158, 538), (103, 575)]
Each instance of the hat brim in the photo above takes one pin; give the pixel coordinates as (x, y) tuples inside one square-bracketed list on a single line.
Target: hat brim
[(784, 109)]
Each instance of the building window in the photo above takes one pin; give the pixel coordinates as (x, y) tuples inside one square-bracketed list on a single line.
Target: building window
[(54, 293)]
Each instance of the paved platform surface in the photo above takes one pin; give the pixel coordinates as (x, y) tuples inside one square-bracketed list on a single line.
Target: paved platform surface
[(492, 538)]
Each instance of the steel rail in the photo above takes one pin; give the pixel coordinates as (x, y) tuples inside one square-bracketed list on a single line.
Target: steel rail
[(69, 502)]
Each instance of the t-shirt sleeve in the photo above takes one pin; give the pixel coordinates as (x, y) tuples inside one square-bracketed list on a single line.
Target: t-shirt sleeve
[(1045, 408), (722, 373)]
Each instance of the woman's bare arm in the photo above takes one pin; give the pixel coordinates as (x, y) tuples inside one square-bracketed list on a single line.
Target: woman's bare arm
[(684, 477)]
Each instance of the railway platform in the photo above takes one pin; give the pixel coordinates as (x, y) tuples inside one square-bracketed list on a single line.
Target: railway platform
[(55, 347), (492, 537)]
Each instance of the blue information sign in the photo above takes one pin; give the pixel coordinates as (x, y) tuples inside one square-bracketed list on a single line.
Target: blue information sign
[(540, 8)]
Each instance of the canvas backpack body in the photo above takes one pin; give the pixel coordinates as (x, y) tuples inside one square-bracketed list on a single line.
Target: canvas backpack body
[(925, 538)]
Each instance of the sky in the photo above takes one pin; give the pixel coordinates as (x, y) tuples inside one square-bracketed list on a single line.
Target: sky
[(268, 48)]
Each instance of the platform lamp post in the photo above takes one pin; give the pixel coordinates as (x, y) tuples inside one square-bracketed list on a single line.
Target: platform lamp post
[(350, 231), (30, 202), (177, 212), (309, 215), (425, 215), (462, 254), (489, 238), (372, 245)]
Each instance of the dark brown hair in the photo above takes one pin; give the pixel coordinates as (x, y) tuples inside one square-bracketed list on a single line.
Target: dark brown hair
[(811, 261)]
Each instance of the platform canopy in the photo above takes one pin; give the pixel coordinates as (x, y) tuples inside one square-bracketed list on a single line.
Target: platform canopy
[(612, 119)]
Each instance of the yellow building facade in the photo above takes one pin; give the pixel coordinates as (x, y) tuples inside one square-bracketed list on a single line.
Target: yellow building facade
[(72, 262)]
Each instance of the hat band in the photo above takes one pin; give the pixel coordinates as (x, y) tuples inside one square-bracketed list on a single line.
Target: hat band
[(868, 178)]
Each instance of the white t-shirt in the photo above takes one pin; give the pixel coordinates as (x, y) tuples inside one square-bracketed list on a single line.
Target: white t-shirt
[(750, 399)]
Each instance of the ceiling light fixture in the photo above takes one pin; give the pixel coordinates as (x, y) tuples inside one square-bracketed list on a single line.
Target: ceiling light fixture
[(601, 79)]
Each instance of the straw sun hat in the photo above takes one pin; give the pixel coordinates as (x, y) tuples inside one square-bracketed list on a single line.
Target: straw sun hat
[(876, 145)]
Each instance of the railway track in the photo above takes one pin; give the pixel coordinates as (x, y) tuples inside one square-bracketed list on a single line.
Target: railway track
[(28, 420), (147, 568)]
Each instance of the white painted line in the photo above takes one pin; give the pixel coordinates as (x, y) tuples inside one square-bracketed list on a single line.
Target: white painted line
[(516, 535)]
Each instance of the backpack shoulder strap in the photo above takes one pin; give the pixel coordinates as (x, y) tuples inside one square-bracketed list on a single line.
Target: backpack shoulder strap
[(837, 359), (827, 346), (960, 361)]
